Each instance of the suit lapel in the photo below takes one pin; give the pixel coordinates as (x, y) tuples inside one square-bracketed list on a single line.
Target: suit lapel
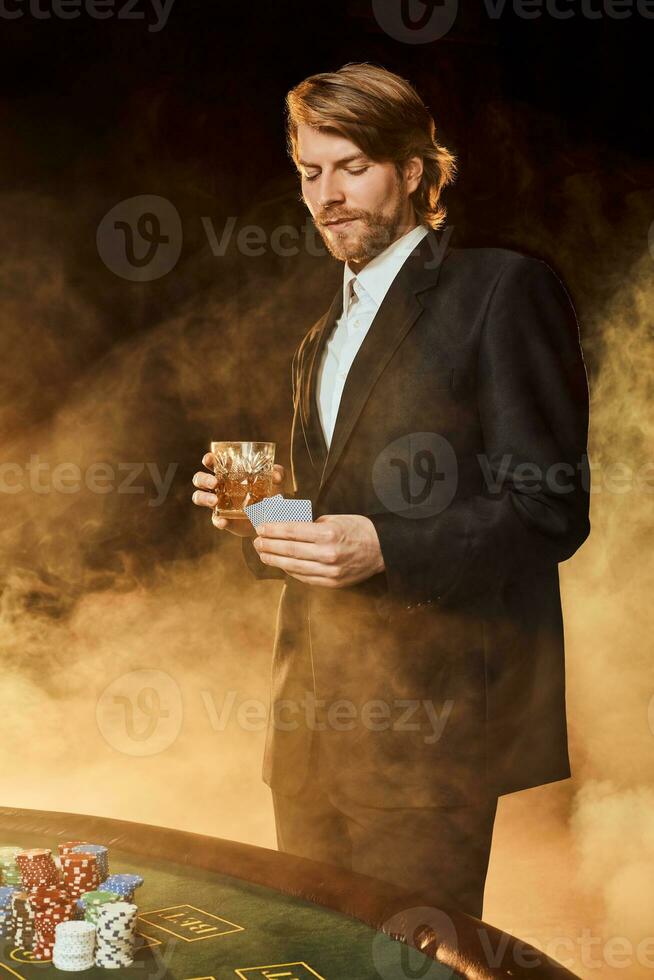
[(395, 317)]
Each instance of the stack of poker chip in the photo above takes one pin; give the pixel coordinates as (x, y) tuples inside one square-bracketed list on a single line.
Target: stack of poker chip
[(51, 906), (80, 873), (37, 868), (115, 938), (9, 873), (6, 892), (92, 902), (74, 946), (22, 928), (124, 885), (101, 857)]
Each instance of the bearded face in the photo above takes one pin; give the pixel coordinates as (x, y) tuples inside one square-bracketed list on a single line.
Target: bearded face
[(360, 206)]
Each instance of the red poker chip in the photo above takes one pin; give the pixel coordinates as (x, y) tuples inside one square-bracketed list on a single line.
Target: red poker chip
[(43, 953)]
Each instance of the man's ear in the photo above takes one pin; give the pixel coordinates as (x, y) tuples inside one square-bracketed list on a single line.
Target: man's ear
[(413, 170)]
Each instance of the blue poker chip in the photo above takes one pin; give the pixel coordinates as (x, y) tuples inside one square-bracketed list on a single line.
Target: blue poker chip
[(6, 891), (123, 882), (101, 856)]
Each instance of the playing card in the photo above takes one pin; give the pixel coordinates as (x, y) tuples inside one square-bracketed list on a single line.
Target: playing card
[(257, 512), (283, 509), (279, 508)]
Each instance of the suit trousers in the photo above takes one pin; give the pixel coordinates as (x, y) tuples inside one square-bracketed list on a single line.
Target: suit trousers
[(442, 851)]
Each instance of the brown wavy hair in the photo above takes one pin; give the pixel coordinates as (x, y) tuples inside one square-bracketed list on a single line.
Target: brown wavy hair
[(384, 116)]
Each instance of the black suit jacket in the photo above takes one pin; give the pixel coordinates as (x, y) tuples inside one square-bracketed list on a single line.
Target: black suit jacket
[(440, 680)]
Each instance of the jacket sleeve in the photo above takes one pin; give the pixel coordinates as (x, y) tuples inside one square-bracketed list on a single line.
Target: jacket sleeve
[(532, 400), (252, 560)]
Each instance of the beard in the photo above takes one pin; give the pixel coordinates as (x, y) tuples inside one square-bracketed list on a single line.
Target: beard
[(373, 232)]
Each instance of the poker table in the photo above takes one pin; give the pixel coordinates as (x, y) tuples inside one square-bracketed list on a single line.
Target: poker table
[(213, 909)]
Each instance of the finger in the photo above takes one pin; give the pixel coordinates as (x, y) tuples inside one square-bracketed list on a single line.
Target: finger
[(278, 474), (295, 531), (242, 529), (205, 481), (204, 499), (209, 460), (297, 566), (302, 550)]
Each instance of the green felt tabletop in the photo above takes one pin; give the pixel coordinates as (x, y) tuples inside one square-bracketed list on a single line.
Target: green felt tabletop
[(198, 925)]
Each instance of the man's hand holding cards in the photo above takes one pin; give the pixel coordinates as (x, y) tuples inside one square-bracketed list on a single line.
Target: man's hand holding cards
[(334, 551)]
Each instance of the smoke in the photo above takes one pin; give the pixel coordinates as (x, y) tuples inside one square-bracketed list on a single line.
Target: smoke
[(109, 593), (112, 583), (610, 629), (583, 889)]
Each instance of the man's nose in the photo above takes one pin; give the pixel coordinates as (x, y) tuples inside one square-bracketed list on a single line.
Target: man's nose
[(329, 190)]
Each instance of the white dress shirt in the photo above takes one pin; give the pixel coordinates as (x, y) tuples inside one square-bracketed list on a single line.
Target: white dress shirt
[(363, 293)]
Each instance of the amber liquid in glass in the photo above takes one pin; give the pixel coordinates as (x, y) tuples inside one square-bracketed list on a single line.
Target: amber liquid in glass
[(239, 493), (244, 471)]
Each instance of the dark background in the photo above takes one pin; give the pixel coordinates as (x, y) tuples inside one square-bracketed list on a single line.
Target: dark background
[(550, 121)]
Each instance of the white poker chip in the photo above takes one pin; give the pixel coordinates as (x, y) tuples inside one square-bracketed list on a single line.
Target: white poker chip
[(74, 928), (72, 966)]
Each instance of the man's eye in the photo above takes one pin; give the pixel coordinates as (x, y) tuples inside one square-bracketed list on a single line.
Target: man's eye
[(356, 173)]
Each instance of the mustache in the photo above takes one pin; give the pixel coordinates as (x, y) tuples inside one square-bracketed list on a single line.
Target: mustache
[(331, 218)]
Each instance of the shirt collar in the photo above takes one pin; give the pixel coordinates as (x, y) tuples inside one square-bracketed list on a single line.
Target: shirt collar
[(378, 274)]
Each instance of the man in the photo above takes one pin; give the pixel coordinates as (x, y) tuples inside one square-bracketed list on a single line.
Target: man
[(440, 424)]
